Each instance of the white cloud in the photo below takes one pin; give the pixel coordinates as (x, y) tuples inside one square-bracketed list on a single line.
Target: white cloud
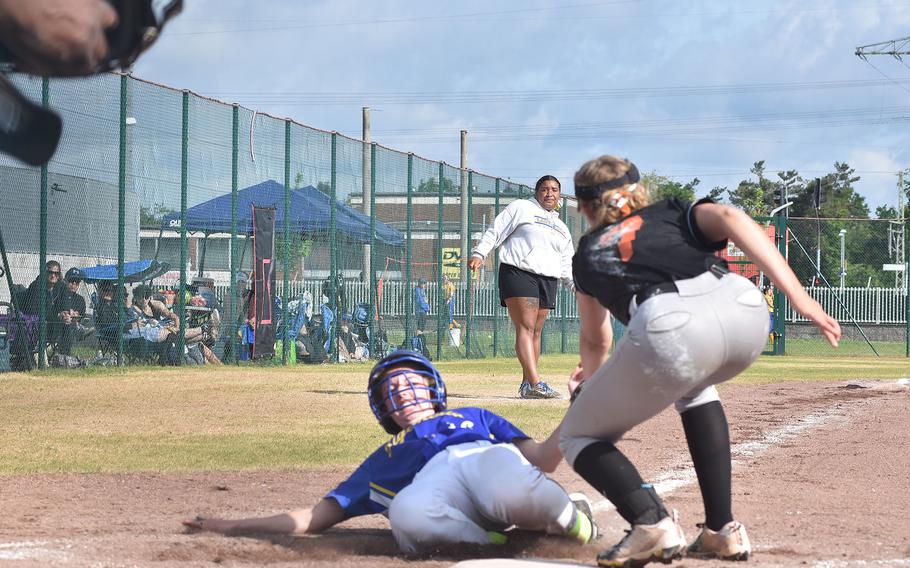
[(651, 48), (879, 184)]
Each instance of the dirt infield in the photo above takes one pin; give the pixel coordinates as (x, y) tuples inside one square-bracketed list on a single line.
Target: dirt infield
[(820, 479)]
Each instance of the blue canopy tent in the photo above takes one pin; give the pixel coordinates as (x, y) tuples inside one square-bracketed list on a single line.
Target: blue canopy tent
[(137, 271), (310, 215)]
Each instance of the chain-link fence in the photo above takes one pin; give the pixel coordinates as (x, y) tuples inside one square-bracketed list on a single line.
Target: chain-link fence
[(151, 183), (156, 185), (856, 269)]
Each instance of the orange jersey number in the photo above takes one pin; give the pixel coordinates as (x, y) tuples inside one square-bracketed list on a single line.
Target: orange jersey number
[(629, 229)]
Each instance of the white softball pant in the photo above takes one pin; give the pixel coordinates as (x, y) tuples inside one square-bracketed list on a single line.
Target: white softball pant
[(676, 348), (470, 489)]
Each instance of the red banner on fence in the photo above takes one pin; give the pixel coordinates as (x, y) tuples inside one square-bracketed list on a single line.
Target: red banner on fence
[(264, 281)]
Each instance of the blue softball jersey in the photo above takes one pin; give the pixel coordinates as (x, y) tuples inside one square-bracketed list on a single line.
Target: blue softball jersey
[(392, 467)]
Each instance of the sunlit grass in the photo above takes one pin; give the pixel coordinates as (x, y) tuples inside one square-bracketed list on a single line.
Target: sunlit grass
[(228, 418)]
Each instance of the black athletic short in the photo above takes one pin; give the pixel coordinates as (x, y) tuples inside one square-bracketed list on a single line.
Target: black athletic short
[(517, 283)]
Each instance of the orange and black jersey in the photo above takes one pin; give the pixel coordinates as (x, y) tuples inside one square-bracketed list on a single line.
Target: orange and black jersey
[(656, 244)]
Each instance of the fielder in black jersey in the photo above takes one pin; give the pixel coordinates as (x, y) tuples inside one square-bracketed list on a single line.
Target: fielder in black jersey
[(691, 324), (628, 257)]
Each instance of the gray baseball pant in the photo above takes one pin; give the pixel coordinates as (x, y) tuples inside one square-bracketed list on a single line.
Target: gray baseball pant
[(676, 348), (469, 489)]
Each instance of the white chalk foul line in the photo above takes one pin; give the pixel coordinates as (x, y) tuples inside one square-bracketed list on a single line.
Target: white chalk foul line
[(849, 563), (680, 474), (31, 549)]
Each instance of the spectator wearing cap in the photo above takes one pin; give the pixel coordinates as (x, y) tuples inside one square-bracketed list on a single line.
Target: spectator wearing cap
[(421, 305), (69, 309)]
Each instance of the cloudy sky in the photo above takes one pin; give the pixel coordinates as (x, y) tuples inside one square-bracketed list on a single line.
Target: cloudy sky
[(685, 88)]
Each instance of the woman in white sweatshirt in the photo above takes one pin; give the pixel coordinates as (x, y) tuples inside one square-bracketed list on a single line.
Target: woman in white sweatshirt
[(535, 250)]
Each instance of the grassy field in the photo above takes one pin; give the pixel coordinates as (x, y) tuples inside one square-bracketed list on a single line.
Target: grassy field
[(855, 347), (234, 418)]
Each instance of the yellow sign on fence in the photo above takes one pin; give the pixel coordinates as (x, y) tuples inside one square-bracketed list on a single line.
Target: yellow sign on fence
[(451, 262)]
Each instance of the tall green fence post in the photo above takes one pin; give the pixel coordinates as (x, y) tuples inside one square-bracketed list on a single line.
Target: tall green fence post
[(408, 293), (780, 299), (184, 162), (907, 283), (42, 249), (333, 244), (374, 304), (121, 218), (286, 337), (235, 268), (469, 299), (440, 234), (495, 279)]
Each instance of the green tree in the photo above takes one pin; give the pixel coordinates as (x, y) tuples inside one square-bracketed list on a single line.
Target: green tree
[(300, 248), (717, 193), (431, 186), (751, 196), (325, 187), (150, 217), (839, 198), (681, 191), (662, 187), (885, 212), (790, 184), (843, 200)]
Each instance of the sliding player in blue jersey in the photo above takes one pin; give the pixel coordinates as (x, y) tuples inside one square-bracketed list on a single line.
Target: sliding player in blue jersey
[(445, 475)]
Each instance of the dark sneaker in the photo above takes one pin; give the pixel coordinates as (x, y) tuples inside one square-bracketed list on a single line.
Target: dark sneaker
[(662, 542), (729, 543)]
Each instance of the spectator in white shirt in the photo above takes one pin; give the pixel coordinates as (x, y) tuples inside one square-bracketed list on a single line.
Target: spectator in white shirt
[(535, 251)]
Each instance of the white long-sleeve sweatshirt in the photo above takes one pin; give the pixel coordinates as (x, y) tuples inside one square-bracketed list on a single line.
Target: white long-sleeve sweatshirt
[(530, 238)]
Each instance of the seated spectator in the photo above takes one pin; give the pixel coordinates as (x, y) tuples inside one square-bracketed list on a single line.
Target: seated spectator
[(106, 313), (145, 311), (205, 298), (69, 310), (51, 288), (349, 346), (138, 324), (310, 343), (151, 307)]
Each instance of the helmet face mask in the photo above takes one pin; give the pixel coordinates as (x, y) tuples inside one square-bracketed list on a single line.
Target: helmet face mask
[(391, 378)]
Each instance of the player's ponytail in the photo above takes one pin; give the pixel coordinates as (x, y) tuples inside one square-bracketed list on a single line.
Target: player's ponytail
[(611, 189)]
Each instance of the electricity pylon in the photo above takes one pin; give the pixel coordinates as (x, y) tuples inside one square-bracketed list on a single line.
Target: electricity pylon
[(896, 230), (895, 48)]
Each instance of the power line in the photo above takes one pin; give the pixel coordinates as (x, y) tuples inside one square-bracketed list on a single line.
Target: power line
[(689, 133), (801, 118), (514, 15), (882, 73), (379, 98), (413, 19)]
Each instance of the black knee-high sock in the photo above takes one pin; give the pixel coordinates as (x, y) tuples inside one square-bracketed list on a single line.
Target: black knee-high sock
[(709, 444), (612, 474)]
